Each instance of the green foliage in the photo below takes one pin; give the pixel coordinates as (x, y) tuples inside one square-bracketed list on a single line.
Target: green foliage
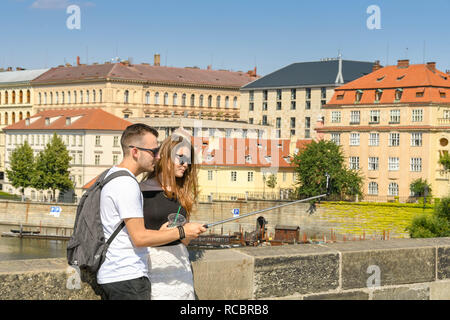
[(272, 181), (318, 158), (444, 160), (22, 167), (435, 225), (419, 187), (52, 167)]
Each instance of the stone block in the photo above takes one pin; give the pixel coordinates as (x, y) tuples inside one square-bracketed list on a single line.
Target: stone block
[(222, 274), (421, 292), (353, 295), (443, 263), (293, 270), (440, 290)]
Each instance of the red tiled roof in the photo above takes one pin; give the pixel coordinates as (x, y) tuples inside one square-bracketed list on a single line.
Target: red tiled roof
[(146, 73), (81, 119), (411, 79)]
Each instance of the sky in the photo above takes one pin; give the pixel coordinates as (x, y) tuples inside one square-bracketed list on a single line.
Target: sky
[(232, 35)]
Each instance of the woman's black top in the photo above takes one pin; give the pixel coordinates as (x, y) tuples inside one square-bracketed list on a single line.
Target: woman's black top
[(157, 207)]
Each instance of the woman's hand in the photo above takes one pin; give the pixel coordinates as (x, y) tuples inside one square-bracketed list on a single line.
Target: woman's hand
[(164, 226)]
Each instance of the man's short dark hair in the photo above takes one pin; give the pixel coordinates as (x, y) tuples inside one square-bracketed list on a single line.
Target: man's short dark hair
[(133, 131)]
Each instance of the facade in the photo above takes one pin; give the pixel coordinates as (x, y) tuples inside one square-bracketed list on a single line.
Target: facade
[(92, 137), (290, 100), (142, 90), (16, 97), (393, 125)]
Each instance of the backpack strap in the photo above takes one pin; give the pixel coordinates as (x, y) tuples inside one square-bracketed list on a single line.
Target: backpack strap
[(121, 173)]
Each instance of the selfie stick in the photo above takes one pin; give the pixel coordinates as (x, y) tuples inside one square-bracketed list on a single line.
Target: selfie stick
[(271, 208)]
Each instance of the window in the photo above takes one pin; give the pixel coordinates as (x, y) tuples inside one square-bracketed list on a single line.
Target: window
[(373, 188), (308, 93), (293, 94), (210, 175), (393, 189), (335, 116), (218, 102), (265, 95), (416, 164), (322, 103), (250, 120), (227, 133), (81, 96), (233, 176), (68, 97), (97, 140), (373, 163), (358, 95), (293, 105), (264, 120), (87, 97), (278, 94), (157, 98), (292, 123), (417, 115), (115, 159), (446, 114), (398, 94), (416, 139), (100, 96), (336, 138), (251, 106), (97, 159), (183, 100), (278, 123), (251, 95), (63, 97), (355, 117), (235, 104), (80, 159), (354, 163), (395, 116), (394, 139), (193, 101), (374, 116), (250, 176), (116, 141), (308, 105), (278, 105), (323, 93), (166, 99), (378, 94), (209, 101), (200, 101), (374, 139), (94, 96), (394, 164), (264, 106), (354, 139)]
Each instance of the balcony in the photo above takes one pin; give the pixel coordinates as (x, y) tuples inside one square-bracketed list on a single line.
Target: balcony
[(444, 121)]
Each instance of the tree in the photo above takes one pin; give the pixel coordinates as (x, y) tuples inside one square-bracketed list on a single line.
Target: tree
[(272, 181), (444, 159), (318, 158), (436, 225), (22, 164), (52, 167), (419, 187)]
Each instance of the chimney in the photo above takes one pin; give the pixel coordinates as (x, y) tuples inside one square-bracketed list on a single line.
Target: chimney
[(403, 63), (376, 66), (431, 66), (209, 67), (78, 61), (157, 60)]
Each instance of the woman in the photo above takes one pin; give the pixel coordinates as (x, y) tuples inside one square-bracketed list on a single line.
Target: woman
[(170, 188)]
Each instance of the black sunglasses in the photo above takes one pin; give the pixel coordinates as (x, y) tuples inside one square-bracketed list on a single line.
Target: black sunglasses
[(154, 151)]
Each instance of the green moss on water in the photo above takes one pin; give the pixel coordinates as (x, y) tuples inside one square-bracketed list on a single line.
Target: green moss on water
[(372, 218)]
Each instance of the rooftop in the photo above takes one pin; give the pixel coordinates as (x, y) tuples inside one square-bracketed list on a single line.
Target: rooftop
[(20, 76)]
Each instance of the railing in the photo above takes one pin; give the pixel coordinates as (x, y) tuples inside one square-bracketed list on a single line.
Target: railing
[(443, 121)]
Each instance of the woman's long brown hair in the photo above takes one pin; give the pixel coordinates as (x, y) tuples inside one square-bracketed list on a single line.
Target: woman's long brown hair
[(184, 189)]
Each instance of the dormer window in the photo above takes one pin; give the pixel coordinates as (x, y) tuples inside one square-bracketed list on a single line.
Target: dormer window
[(400, 78), (442, 94), (47, 121), (398, 94), (248, 158), (381, 79), (68, 121), (340, 96), (378, 94), (358, 96)]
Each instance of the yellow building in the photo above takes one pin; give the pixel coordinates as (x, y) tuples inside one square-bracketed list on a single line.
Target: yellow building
[(392, 125), (142, 90)]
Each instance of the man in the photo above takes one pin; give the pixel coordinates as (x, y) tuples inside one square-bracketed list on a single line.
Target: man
[(123, 274)]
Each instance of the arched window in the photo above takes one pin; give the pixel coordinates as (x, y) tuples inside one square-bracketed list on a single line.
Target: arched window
[(51, 97), (20, 96), (45, 98), (6, 97), (13, 117), (166, 99), (56, 98), (63, 98), (227, 102), (28, 96), (126, 96), (235, 102), (68, 97), (81, 96), (94, 96), (101, 96), (157, 98), (13, 97), (20, 116), (183, 100), (87, 96), (393, 189), (192, 100), (200, 101), (147, 98), (74, 97), (40, 98), (175, 99), (218, 102), (210, 101), (6, 118), (28, 114)]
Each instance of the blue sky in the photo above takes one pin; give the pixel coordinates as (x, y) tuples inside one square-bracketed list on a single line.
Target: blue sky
[(232, 34)]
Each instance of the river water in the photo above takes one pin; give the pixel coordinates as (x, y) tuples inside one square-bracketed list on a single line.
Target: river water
[(21, 249)]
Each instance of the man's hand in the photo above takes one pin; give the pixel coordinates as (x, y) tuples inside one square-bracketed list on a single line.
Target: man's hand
[(193, 230)]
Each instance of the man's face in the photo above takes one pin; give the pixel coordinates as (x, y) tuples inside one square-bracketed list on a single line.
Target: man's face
[(146, 159)]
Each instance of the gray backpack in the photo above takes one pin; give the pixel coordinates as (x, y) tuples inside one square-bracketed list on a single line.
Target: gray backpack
[(87, 247)]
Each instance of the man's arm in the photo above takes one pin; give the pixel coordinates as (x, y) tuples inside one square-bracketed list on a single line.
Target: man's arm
[(142, 237)]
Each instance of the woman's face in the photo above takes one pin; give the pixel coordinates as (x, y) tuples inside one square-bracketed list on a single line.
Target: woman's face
[(181, 161)]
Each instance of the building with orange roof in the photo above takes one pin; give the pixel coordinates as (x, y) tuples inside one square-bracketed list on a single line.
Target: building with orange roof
[(142, 90), (92, 137), (393, 124)]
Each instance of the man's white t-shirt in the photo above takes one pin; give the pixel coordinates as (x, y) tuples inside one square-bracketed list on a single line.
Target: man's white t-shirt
[(121, 198)]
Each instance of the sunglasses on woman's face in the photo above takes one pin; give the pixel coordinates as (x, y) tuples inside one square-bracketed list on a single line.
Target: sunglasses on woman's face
[(154, 151), (183, 159)]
